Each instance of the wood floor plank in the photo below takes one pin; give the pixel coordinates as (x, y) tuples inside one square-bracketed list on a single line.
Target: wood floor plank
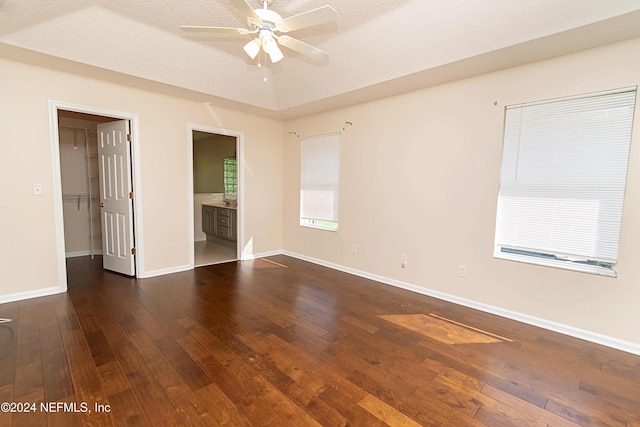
[(222, 410), (59, 416), (55, 368), (591, 417), (269, 406), (196, 412), (372, 379), (124, 404), (293, 343), (6, 395), (587, 409), (28, 334), (153, 355), (342, 396), (157, 406), (35, 417), (386, 413), (188, 370), (542, 415), (28, 379), (8, 340), (84, 374), (94, 335)]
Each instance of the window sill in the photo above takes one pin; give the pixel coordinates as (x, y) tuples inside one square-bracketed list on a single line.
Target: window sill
[(320, 227), (564, 265)]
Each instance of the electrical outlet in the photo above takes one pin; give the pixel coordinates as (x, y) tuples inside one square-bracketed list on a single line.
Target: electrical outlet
[(403, 261), (462, 271), (37, 189), (169, 247), (354, 249)]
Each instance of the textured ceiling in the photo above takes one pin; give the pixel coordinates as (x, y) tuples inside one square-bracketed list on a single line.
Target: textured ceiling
[(376, 48)]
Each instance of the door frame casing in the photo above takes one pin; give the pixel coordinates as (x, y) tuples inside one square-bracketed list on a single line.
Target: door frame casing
[(54, 107), (239, 136)]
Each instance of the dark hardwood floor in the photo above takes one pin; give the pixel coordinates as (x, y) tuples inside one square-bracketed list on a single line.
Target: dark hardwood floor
[(282, 342)]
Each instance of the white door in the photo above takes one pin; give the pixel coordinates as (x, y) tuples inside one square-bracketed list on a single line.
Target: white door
[(116, 201)]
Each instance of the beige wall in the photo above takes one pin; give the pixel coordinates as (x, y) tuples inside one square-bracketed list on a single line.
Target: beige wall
[(28, 245), (420, 176), (208, 162)]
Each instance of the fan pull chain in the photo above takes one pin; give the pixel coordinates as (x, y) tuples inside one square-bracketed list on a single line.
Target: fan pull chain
[(264, 55)]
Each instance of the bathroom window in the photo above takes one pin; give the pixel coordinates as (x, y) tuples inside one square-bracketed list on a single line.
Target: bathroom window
[(563, 179), (230, 176)]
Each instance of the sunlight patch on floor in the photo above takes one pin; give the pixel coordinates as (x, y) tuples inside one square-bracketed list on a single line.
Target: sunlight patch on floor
[(442, 329), (272, 263)]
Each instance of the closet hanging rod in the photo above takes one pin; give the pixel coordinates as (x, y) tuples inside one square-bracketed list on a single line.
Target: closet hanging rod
[(79, 129), (76, 196)]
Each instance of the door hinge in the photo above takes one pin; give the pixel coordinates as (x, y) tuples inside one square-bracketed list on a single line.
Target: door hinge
[(131, 194), (129, 137), (133, 251)]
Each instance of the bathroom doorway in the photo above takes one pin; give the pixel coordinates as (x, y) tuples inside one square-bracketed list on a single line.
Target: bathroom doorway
[(215, 197)]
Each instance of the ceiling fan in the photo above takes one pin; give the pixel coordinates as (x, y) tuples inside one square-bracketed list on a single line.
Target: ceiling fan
[(270, 30)]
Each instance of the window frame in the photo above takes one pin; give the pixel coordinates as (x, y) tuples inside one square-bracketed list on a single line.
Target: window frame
[(536, 255), (321, 177)]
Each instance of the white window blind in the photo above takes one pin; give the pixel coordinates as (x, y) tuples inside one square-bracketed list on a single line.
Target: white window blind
[(563, 178), (320, 173)]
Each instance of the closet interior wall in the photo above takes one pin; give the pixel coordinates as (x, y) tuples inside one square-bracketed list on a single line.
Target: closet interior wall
[(80, 186)]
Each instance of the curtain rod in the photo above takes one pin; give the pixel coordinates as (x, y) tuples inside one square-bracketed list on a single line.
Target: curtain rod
[(344, 128)]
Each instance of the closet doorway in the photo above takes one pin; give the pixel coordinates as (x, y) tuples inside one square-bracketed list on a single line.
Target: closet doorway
[(97, 189), (216, 188)]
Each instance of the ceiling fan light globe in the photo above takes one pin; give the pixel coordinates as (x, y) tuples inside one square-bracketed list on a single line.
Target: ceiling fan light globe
[(276, 54), (268, 43), (252, 48)]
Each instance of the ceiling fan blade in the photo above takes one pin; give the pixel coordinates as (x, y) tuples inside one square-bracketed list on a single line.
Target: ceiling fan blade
[(245, 8), (218, 30), (303, 48), (319, 16)]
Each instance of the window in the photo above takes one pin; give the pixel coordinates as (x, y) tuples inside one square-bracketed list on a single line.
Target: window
[(320, 171), (230, 176), (562, 182)]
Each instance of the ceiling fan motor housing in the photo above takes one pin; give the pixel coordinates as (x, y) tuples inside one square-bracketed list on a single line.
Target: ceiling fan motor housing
[(268, 16)]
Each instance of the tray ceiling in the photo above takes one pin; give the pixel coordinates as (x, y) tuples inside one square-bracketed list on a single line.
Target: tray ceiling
[(376, 48)]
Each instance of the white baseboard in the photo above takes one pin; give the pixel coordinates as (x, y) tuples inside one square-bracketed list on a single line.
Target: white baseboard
[(186, 267), (31, 294), (261, 255), (163, 271), (604, 340), (81, 253)]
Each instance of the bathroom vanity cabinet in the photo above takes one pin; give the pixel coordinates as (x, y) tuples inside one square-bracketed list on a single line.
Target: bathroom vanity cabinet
[(220, 222)]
